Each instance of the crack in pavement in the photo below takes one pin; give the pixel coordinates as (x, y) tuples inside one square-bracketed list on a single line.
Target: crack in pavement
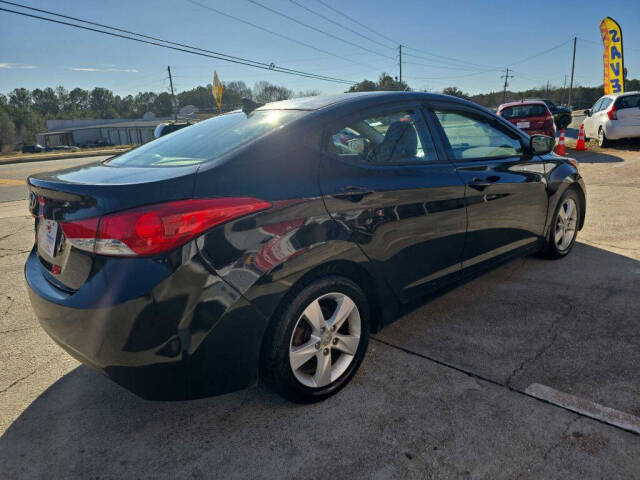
[(542, 350), (18, 329), (15, 382), (17, 231), (497, 383), (547, 452), (15, 253), (11, 302)]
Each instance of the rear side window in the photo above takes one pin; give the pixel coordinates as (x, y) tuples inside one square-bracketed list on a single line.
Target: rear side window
[(605, 104), (383, 139), (522, 111), (476, 137), (206, 140), (629, 101)]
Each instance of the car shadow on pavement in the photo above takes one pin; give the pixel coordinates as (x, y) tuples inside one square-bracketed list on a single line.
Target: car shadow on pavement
[(570, 324), (595, 156)]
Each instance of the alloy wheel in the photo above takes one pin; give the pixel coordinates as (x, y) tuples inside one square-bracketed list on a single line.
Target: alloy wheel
[(566, 222), (325, 340)]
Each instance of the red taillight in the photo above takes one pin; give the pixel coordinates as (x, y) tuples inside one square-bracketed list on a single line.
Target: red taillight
[(156, 228), (613, 113)]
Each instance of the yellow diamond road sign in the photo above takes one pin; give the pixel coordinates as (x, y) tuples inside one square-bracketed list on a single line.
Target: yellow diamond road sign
[(216, 89)]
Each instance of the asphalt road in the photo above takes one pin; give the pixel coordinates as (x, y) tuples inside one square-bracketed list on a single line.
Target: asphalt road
[(13, 176), (494, 379)]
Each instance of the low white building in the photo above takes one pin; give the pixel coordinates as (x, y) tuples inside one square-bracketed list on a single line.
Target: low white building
[(112, 132)]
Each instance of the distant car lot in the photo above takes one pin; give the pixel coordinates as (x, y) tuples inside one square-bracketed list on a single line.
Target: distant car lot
[(412, 411)]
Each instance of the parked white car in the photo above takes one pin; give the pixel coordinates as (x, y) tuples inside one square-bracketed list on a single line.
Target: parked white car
[(613, 117)]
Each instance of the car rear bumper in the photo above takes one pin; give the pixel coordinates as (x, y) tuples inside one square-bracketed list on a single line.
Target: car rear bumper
[(614, 130), (173, 342), (549, 133)]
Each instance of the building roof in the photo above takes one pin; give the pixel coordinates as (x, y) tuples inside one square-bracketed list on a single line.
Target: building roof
[(132, 124)]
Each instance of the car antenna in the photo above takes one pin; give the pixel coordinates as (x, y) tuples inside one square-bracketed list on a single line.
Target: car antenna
[(249, 105)]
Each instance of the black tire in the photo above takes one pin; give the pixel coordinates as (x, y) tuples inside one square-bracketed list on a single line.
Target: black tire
[(553, 250), (563, 122), (603, 141), (275, 368)]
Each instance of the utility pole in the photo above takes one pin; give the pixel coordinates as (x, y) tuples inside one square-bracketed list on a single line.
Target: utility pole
[(173, 96), (564, 90), (400, 62), (573, 67), (506, 77)]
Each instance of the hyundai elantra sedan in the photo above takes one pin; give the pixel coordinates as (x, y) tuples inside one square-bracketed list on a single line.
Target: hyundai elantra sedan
[(267, 244)]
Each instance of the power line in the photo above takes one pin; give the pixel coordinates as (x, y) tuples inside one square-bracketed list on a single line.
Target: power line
[(350, 30), (259, 27), (540, 53), (449, 77), (357, 22), (187, 49), (446, 67), (465, 62), (284, 15)]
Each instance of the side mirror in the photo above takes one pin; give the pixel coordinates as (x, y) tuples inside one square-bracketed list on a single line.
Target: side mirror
[(541, 144), (587, 113)]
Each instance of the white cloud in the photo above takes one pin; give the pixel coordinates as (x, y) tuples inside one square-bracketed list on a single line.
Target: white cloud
[(16, 65), (96, 69)]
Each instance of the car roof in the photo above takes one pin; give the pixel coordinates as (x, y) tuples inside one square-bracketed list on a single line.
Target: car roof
[(365, 98), (617, 95), (522, 102)]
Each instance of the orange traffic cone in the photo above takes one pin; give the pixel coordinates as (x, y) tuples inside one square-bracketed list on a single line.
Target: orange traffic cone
[(561, 149), (580, 146)]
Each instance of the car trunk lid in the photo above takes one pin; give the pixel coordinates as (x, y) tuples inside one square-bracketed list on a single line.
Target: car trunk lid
[(88, 192)]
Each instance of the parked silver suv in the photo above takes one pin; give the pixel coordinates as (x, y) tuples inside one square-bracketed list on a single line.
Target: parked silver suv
[(613, 117)]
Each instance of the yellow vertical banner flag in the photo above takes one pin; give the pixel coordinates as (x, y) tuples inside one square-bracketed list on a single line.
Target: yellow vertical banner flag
[(612, 56), (216, 89)]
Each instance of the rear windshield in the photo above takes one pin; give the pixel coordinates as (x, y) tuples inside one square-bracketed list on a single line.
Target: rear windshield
[(521, 111), (628, 101), (206, 140)]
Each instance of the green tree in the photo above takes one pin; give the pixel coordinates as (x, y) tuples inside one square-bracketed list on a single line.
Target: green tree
[(363, 86), (455, 92), (20, 98), (78, 101), (163, 106), (385, 83), (266, 92), (7, 132), (45, 101), (101, 102)]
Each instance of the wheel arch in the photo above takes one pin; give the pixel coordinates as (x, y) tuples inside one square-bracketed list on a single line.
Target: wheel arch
[(583, 202)]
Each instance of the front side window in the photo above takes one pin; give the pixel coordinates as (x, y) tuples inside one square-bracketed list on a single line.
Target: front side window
[(596, 106), (383, 139), (475, 137), (206, 140)]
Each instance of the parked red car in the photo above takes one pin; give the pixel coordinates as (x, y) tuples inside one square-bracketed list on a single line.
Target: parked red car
[(532, 116)]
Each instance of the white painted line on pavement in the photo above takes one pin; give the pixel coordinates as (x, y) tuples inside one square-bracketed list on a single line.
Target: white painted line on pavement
[(585, 407)]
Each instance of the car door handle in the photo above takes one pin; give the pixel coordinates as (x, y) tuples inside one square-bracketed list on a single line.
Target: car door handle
[(481, 184), (352, 193)]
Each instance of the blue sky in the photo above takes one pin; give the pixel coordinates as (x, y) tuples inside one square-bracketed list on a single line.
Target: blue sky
[(36, 54)]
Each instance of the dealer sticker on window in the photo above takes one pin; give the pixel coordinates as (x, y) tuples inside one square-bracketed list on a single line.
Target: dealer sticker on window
[(50, 231), (522, 124)]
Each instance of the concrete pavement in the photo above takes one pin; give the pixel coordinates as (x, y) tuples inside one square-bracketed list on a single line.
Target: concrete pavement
[(442, 392), (14, 176)]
